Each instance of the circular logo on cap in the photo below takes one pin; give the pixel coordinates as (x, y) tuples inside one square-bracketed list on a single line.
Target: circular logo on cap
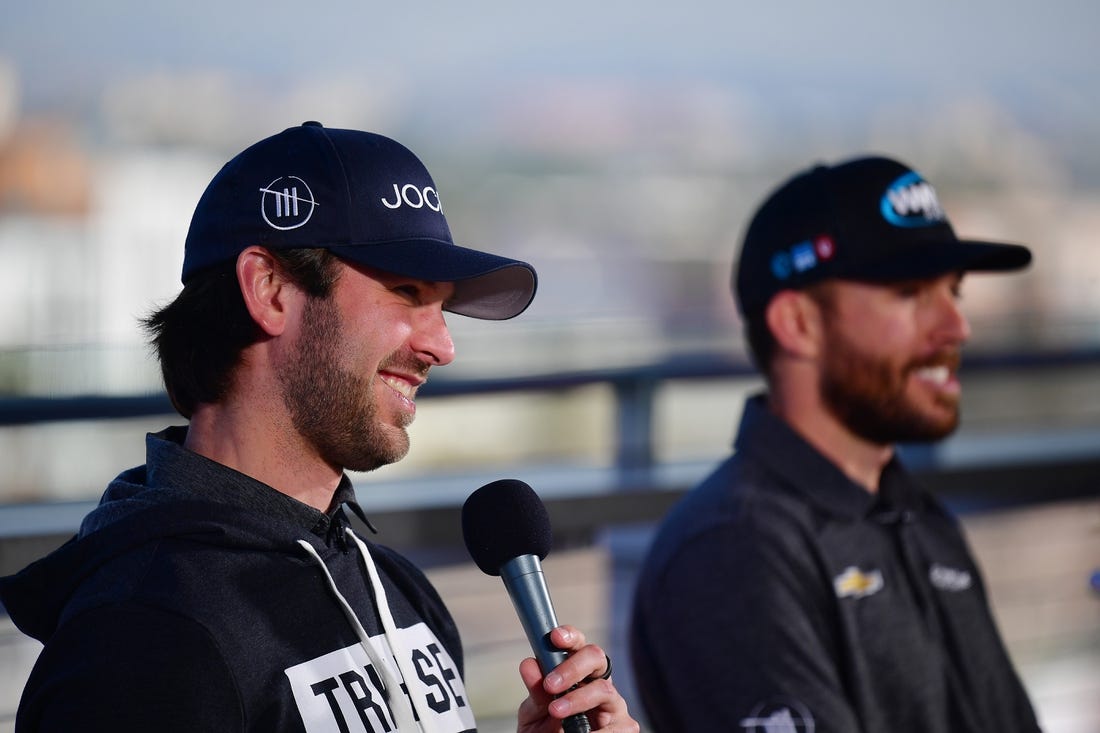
[(287, 203), (910, 201)]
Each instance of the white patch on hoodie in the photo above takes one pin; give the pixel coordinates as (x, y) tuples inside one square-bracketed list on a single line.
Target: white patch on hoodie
[(341, 690)]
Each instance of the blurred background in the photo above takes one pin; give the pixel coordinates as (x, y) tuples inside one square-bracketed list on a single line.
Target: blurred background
[(620, 147)]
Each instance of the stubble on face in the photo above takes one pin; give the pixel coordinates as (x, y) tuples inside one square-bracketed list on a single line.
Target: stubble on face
[(868, 394), (333, 408)]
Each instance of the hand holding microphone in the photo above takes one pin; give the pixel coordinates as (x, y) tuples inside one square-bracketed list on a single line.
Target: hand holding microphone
[(507, 532)]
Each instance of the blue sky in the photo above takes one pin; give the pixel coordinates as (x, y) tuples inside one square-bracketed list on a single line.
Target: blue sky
[(69, 49)]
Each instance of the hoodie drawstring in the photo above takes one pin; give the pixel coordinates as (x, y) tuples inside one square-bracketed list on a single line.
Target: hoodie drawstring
[(400, 705), (404, 661)]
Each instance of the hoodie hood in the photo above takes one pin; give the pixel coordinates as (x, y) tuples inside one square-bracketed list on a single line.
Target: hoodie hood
[(149, 504), (129, 517)]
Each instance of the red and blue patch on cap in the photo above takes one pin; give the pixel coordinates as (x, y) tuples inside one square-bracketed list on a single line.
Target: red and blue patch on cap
[(803, 256)]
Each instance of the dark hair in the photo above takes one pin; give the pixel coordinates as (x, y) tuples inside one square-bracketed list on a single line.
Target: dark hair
[(760, 340), (200, 335)]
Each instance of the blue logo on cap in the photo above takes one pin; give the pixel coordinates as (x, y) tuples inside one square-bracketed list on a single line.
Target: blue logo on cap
[(781, 265), (803, 256), (911, 201)]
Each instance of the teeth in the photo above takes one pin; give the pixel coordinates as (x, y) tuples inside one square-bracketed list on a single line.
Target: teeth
[(400, 386), (937, 374)]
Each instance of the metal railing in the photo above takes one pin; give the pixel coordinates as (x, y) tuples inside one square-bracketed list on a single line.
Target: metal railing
[(634, 388), (634, 470)]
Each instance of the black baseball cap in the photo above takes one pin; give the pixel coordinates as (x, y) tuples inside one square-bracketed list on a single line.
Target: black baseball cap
[(366, 198), (871, 219)]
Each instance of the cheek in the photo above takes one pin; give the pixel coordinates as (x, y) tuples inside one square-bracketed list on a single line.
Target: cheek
[(382, 348), (868, 349), (882, 335)]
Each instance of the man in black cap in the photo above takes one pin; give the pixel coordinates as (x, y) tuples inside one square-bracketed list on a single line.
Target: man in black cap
[(220, 587), (809, 584)]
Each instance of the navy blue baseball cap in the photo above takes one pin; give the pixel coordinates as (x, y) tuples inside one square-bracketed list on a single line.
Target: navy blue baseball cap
[(364, 197), (871, 219)]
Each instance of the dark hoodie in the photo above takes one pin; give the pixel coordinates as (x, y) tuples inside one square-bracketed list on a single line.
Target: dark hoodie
[(195, 598)]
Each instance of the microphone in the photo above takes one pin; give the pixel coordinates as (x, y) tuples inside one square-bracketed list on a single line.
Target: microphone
[(507, 533)]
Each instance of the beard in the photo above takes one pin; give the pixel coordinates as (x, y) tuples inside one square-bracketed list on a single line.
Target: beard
[(331, 407), (868, 396)]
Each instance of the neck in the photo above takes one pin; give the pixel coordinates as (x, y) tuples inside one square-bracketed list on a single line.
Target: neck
[(860, 460), (264, 449)]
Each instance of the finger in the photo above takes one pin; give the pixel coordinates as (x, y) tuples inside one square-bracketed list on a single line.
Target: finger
[(533, 708), (582, 665), (598, 698), (606, 673), (567, 638), (531, 675)]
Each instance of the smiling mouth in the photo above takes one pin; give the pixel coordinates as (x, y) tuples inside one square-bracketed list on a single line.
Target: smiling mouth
[(402, 387), (935, 374)]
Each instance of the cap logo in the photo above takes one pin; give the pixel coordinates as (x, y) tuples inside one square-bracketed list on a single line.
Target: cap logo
[(413, 197), (287, 203), (911, 201), (802, 256)]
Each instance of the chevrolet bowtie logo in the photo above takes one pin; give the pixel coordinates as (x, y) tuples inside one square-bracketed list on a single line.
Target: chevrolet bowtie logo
[(855, 583)]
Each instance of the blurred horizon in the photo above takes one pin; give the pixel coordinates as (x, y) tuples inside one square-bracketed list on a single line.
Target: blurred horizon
[(620, 149)]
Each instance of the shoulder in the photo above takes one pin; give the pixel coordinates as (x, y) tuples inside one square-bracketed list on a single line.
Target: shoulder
[(738, 525), (125, 665), (737, 508)]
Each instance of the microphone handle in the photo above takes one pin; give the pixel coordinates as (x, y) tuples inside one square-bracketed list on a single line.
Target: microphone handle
[(526, 586), (576, 724)]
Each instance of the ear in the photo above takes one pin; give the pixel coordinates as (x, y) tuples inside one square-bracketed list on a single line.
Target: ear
[(795, 322), (266, 291)]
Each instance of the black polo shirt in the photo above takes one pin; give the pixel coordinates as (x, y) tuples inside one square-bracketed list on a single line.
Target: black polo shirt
[(780, 593)]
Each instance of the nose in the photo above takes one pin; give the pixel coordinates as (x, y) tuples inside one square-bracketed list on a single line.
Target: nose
[(953, 325), (431, 339)]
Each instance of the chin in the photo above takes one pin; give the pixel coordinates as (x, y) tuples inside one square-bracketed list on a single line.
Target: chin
[(935, 427), (375, 451)]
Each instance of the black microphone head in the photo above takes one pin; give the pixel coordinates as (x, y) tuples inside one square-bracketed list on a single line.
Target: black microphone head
[(504, 520)]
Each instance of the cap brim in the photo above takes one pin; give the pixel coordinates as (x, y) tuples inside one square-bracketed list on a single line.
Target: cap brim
[(487, 286), (938, 258)]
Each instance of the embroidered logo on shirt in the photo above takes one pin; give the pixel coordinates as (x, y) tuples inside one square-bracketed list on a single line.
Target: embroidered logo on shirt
[(854, 583), (949, 579), (779, 716)]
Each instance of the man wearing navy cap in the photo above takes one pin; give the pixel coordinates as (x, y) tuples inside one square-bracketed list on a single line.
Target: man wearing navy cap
[(809, 584), (219, 587)]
